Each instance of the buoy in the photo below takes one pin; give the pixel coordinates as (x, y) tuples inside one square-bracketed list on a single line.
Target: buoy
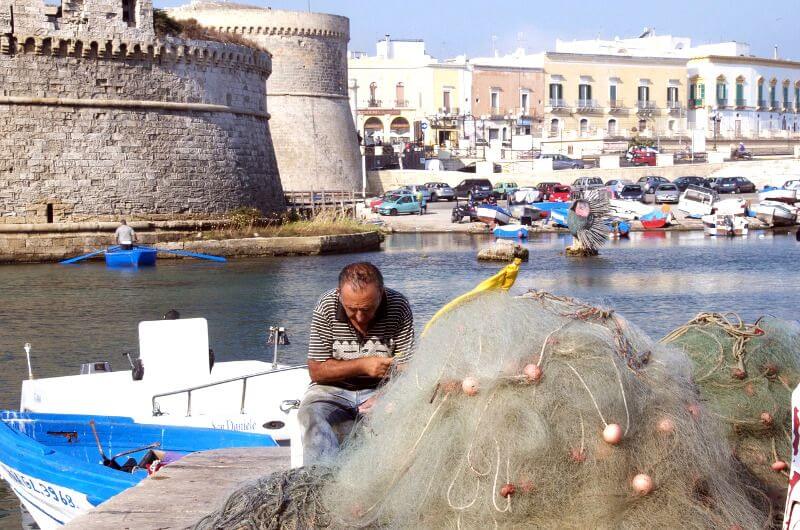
[(470, 386), (666, 426), (507, 490), (642, 484), (532, 372), (612, 434)]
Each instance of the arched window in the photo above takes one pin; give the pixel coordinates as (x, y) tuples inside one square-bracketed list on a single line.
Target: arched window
[(373, 101), (612, 127), (642, 125), (584, 127), (373, 131), (554, 126), (399, 130), (400, 96)]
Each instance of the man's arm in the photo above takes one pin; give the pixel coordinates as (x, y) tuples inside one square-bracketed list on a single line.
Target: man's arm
[(334, 370)]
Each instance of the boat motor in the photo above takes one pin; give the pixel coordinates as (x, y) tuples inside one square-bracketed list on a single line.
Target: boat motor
[(277, 336)]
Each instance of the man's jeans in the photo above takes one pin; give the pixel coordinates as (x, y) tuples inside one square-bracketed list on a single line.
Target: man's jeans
[(324, 412)]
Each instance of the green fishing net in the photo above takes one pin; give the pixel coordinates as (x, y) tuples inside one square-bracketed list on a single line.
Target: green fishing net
[(527, 412), (746, 374)]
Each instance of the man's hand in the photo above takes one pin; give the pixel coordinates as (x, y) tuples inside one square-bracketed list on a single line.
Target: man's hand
[(368, 405), (377, 366)]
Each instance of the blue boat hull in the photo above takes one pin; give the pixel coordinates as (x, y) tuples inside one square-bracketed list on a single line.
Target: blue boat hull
[(135, 257), (52, 463)]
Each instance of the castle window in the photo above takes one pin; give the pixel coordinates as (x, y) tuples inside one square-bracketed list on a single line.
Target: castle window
[(129, 12)]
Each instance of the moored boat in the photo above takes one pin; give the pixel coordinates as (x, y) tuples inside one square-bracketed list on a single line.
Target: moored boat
[(724, 225), (629, 210), (60, 466), (654, 220), (558, 216), (730, 207), (512, 231), (788, 196), (696, 201), (774, 213), (492, 214)]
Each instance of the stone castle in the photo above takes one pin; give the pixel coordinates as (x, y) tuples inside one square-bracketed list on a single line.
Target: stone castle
[(100, 119), (312, 126)]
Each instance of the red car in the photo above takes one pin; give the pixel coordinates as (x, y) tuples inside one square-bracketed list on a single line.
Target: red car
[(546, 189), (560, 194), (643, 159)]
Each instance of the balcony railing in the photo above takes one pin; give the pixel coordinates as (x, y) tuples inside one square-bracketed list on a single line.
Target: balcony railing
[(696, 103), (762, 104), (774, 105), (589, 104), (674, 106), (374, 103), (558, 103), (722, 102), (645, 106), (401, 103), (787, 106), (741, 103), (616, 105)]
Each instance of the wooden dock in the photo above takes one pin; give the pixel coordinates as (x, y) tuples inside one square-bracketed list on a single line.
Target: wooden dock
[(182, 493)]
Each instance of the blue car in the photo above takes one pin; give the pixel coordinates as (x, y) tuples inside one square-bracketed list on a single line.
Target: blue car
[(396, 204)]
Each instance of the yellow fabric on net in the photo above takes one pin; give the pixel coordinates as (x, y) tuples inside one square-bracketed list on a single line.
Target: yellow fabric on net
[(502, 281)]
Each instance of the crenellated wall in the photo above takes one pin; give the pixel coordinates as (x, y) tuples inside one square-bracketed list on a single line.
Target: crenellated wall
[(315, 139), (98, 128)]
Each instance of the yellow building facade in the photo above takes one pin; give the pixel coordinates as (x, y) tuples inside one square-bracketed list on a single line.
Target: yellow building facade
[(608, 98)]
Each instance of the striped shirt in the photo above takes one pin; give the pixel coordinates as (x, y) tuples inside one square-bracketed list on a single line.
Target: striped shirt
[(390, 334)]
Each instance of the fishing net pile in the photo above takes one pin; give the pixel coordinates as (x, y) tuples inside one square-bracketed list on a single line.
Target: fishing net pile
[(746, 374), (527, 412)]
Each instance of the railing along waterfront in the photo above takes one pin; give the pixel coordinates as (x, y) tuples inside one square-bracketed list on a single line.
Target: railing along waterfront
[(316, 201)]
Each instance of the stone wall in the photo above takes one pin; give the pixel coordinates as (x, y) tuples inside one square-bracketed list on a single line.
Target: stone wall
[(95, 129), (315, 139)]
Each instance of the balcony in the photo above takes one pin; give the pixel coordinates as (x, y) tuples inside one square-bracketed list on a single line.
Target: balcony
[(674, 107), (774, 105), (646, 107), (587, 105), (787, 106), (558, 105), (762, 104), (401, 103), (374, 103), (722, 103), (616, 106), (449, 111), (741, 103)]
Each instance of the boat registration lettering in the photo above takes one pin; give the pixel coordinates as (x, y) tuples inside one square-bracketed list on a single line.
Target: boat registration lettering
[(43, 490)]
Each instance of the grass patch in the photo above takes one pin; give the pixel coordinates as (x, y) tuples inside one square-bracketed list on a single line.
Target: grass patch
[(191, 29), (327, 223)]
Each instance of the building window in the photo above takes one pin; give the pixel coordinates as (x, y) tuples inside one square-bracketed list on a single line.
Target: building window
[(612, 127), (494, 101), (796, 97), (584, 127), (400, 96), (671, 125), (761, 101), (493, 134), (612, 96), (554, 126), (556, 95), (740, 102), (644, 93), (786, 95), (446, 101), (722, 93), (129, 12), (642, 125), (524, 102), (585, 95)]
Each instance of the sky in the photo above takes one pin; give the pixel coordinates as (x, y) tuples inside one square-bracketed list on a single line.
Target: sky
[(477, 27)]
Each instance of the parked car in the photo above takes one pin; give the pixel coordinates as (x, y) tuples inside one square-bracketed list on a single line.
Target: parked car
[(375, 203), (503, 189), (564, 162), (473, 188), (440, 191), (546, 188), (639, 149), (560, 194), (615, 186), (587, 183), (645, 158), (667, 193), (745, 185), (651, 183), (415, 188), (685, 182), (632, 192), (472, 167), (397, 204)]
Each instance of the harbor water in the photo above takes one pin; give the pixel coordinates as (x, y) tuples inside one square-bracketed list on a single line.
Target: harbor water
[(86, 312)]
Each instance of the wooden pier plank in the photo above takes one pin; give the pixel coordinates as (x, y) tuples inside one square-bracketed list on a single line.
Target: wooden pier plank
[(182, 493)]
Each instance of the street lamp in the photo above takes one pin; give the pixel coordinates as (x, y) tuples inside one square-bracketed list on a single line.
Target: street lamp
[(715, 119)]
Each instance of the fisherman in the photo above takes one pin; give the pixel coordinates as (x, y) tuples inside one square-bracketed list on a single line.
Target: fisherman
[(360, 333), (125, 236)]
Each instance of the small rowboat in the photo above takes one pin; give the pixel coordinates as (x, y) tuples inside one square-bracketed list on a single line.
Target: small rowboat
[(492, 214), (515, 231), (654, 220), (724, 225), (135, 257)]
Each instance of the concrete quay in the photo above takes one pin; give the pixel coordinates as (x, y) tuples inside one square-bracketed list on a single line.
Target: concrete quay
[(181, 494)]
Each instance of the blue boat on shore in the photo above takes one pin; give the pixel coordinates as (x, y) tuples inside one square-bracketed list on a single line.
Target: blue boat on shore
[(63, 465), (134, 257)]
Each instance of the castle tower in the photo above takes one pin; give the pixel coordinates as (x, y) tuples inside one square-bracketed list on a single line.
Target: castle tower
[(100, 119), (315, 139)]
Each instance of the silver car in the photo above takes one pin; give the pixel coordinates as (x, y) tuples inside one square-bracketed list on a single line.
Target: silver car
[(440, 191), (414, 188), (667, 193)]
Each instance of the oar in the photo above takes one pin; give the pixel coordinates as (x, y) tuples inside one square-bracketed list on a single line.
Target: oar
[(86, 256), (187, 254)]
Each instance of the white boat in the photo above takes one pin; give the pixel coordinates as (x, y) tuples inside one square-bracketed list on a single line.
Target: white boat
[(177, 387), (730, 207), (629, 210), (696, 201), (724, 225), (526, 195), (775, 213), (788, 196), (492, 214), (514, 231)]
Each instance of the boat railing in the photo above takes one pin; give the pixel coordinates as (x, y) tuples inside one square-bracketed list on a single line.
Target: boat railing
[(242, 378)]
